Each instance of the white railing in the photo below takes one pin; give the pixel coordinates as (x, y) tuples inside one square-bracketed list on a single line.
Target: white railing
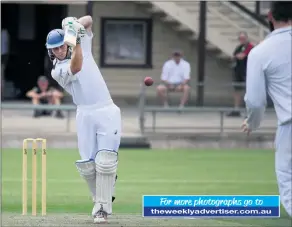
[(263, 31), (192, 22), (230, 22)]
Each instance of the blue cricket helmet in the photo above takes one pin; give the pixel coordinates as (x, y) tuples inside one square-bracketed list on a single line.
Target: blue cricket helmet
[(55, 38)]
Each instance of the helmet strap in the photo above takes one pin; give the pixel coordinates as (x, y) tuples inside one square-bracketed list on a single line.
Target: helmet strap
[(51, 55), (69, 52)]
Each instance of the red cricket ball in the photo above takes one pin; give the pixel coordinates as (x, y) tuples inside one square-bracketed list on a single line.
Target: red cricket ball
[(148, 81)]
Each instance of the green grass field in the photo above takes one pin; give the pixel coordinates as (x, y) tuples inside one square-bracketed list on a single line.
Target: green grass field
[(176, 172)]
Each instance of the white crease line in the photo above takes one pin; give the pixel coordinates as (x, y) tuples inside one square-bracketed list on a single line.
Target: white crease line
[(154, 181)]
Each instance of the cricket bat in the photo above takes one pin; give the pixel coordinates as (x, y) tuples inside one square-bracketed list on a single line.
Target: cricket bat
[(70, 36)]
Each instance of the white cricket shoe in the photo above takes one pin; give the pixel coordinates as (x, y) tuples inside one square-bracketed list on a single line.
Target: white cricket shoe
[(95, 208), (100, 217)]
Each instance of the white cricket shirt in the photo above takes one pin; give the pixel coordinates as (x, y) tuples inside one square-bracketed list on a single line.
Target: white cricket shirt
[(87, 87), (269, 70), (175, 73)]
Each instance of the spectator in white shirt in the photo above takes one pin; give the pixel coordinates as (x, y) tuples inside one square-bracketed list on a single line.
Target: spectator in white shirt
[(175, 78)]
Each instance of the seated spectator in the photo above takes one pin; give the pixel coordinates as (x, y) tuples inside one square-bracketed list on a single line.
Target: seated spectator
[(44, 94), (175, 78), (239, 71)]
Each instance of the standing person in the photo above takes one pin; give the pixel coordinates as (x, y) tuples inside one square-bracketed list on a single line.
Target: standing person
[(240, 56), (269, 71), (98, 119)]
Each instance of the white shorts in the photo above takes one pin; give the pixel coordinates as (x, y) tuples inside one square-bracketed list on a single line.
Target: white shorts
[(98, 128)]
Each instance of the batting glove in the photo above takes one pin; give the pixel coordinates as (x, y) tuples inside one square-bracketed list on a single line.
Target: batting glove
[(77, 27), (80, 28), (67, 21)]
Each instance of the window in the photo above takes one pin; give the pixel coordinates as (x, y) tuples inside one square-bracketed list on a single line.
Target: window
[(126, 43)]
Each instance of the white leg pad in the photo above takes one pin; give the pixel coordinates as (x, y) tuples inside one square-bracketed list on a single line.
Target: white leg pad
[(114, 186), (106, 163), (86, 169)]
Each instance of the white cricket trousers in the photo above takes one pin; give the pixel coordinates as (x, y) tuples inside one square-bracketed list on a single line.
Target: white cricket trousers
[(98, 128), (283, 164)]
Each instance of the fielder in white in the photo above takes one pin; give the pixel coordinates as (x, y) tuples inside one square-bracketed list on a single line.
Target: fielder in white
[(269, 70), (98, 119)]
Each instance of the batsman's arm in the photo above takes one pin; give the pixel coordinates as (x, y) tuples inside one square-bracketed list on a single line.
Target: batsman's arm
[(86, 21), (256, 94), (77, 55), (76, 59)]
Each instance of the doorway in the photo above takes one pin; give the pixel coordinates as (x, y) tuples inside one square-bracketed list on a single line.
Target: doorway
[(28, 30)]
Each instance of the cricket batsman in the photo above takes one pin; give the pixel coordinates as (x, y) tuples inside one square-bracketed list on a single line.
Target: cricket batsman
[(98, 119), (269, 70)]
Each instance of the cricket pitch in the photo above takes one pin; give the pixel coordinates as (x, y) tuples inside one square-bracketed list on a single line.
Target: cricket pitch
[(122, 220)]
